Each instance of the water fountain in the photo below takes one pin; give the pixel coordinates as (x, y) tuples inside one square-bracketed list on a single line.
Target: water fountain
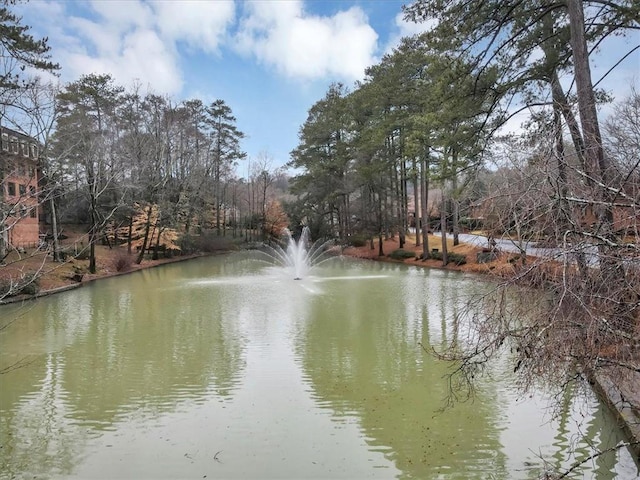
[(299, 255)]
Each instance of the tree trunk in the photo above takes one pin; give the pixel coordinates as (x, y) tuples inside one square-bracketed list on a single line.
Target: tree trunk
[(4, 241), (455, 205), (424, 199), (559, 98), (156, 248), (402, 203), (145, 240), (224, 213), (596, 162), (416, 204), (443, 228), (380, 220), (93, 215), (54, 230), (130, 234)]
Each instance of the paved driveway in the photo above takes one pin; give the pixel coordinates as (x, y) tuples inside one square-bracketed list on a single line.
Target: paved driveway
[(513, 246)]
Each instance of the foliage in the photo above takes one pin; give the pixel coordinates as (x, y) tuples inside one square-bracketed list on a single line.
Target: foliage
[(188, 243), (19, 50), (122, 261), (452, 257), (323, 154), (358, 240), (400, 254), (142, 215), (206, 242), (27, 285), (82, 254), (472, 223), (275, 219)]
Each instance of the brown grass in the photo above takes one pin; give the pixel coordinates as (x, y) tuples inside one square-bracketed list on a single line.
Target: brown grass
[(52, 275), (501, 266)]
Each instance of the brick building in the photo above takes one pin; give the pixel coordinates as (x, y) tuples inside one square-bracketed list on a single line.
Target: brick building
[(19, 205)]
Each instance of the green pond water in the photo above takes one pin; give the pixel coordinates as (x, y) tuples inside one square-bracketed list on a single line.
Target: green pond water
[(225, 367)]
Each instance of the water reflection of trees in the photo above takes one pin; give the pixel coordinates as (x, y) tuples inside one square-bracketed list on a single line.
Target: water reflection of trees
[(362, 355), (100, 353), (151, 347)]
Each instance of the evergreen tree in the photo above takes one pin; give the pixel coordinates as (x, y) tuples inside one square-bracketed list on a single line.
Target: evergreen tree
[(224, 151), (19, 51), (324, 156)]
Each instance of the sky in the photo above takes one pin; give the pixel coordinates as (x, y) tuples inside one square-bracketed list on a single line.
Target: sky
[(269, 60)]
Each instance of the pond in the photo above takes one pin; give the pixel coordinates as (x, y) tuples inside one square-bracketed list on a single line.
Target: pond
[(225, 367)]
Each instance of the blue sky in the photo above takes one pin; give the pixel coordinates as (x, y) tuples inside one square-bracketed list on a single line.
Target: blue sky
[(269, 60)]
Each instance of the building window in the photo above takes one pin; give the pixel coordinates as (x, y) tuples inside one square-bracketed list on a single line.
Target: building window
[(23, 211), (24, 148), (33, 213), (11, 189), (14, 145), (34, 151), (32, 190), (23, 189), (5, 142)]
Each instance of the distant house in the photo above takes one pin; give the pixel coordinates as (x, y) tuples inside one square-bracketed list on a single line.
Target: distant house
[(434, 199), (19, 205)]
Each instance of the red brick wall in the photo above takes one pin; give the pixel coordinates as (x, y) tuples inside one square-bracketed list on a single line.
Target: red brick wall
[(25, 233), (19, 157)]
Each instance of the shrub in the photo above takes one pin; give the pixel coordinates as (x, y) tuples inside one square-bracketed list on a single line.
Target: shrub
[(187, 244), (401, 254), (472, 223), (5, 287), (357, 241), (210, 242), (82, 254), (122, 261), (456, 258), (514, 258), (31, 287), (206, 242)]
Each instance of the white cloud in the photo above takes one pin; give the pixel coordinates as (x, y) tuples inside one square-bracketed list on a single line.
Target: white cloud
[(123, 14), (201, 24), (139, 56), (281, 35)]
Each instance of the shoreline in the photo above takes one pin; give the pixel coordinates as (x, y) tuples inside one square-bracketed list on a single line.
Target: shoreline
[(90, 278)]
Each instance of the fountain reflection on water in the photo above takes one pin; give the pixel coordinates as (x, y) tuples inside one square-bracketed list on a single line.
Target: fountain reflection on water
[(300, 255)]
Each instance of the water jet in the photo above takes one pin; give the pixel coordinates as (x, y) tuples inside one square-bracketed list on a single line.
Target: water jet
[(299, 255)]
